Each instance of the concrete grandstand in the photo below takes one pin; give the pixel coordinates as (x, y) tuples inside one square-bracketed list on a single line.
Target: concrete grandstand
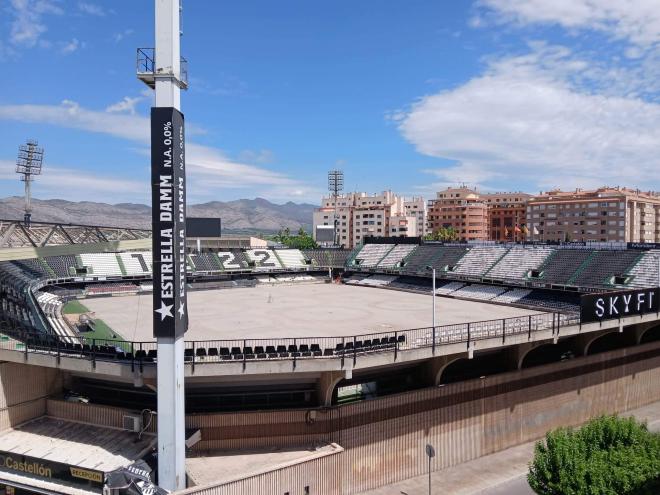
[(283, 343)]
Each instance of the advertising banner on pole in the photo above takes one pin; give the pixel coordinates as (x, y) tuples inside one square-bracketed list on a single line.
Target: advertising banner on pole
[(168, 201)]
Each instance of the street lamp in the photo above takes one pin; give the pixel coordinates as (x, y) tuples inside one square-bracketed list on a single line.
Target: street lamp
[(430, 452)]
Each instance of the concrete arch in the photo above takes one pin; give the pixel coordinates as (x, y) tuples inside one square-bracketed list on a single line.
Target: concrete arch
[(326, 384), (545, 353), (438, 365), (483, 364), (651, 334), (615, 338)]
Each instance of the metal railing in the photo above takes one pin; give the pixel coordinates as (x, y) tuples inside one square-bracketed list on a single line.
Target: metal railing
[(199, 352), (146, 66)]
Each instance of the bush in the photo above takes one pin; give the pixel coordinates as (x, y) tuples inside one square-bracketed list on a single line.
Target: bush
[(607, 456)]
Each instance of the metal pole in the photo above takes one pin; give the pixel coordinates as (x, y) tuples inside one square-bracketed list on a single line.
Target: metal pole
[(170, 366), (433, 295), (430, 475)]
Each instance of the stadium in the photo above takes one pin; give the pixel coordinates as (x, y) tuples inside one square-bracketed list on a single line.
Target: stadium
[(327, 363)]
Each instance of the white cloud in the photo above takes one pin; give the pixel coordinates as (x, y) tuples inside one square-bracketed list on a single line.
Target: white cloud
[(28, 24), (538, 119), (88, 186), (209, 169), (71, 46), (117, 37), (126, 104), (91, 9), (636, 21)]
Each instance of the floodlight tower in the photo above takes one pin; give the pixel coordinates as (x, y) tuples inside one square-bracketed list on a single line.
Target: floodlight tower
[(336, 186), (28, 164), (162, 68)]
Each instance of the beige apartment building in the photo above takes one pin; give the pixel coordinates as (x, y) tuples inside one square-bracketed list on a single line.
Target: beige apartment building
[(361, 215), (461, 209), (507, 215), (604, 215)]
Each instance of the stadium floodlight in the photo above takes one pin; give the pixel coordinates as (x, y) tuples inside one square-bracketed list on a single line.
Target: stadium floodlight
[(336, 186), (28, 164)]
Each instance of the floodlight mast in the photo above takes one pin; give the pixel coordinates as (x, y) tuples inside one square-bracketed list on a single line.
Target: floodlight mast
[(336, 186), (164, 70), (28, 164)]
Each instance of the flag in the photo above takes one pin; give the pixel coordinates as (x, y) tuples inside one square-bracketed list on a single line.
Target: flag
[(517, 230), (525, 230), (536, 231), (506, 232)]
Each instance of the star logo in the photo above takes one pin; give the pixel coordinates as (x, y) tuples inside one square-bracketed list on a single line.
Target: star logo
[(182, 310), (165, 310)]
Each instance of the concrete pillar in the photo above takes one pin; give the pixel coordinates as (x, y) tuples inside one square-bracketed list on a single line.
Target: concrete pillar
[(516, 353), (325, 386), (437, 365)]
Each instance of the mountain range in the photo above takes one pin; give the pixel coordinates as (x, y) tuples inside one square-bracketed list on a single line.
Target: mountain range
[(239, 216)]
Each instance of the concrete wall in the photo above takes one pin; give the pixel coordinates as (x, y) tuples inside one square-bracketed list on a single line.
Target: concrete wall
[(384, 439), (23, 392)]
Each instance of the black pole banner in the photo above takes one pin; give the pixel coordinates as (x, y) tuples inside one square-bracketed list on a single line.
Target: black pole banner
[(168, 201)]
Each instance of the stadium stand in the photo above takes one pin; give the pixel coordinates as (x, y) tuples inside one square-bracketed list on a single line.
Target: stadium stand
[(232, 260), (52, 307), (555, 301), (478, 260), (449, 288), (645, 272), (371, 254), (101, 264), (412, 284), (512, 296), (119, 288), (420, 258), (603, 266), (449, 257), (33, 267), (205, 262), (291, 258), (518, 261), (135, 264), (479, 292), (560, 266), (378, 280), (327, 258), (263, 258), (63, 266), (396, 256)]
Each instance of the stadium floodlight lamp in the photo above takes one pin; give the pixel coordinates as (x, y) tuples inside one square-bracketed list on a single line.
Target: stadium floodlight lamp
[(28, 164)]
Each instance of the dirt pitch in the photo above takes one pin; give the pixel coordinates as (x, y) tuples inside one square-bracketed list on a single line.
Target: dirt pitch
[(303, 310)]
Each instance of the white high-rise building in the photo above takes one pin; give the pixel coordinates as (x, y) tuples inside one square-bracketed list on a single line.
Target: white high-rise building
[(361, 215)]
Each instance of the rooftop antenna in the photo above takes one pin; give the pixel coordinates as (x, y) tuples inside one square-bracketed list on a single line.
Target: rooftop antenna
[(28, 164), (336, 186)]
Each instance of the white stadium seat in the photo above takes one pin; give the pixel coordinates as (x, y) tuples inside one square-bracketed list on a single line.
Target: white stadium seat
[(101, 264)]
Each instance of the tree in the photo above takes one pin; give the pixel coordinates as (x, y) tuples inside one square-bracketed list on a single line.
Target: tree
[(300, 241), (607, 456), (445, 234)]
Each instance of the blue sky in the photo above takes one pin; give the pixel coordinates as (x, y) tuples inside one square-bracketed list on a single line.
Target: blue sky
[(409, 95)]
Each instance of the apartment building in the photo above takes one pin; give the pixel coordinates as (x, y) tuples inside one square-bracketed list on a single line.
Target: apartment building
[(604, 215), (462, 209), (416, 207), (361, 215), (507, 215)]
